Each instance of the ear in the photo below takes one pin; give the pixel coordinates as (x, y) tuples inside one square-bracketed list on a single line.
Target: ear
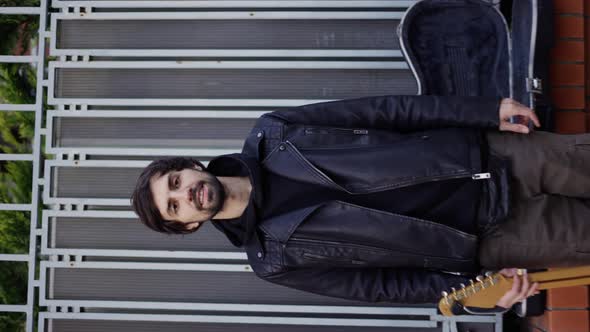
[(198, 168)]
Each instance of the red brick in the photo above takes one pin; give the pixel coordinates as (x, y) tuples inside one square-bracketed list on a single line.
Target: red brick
[(568, 98), (569, 26), (569, 6), (538, 322), (568, 50), (568, 321), (568, 297), (587, 42), (567, 74), (570, 122)]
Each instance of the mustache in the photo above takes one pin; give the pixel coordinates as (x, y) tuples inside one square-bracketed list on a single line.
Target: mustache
[(194, 192)]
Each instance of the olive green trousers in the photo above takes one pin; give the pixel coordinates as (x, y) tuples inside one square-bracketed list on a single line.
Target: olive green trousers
[(549, 219)]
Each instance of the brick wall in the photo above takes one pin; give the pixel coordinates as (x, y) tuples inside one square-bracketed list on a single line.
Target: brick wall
[(567, 308), (568, 75)]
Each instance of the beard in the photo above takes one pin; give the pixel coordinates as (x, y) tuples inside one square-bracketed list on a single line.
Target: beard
[(215, 194)]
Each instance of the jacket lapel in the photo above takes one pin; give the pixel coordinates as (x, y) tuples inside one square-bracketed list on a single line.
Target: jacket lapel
[(281, 227), (285, 160)]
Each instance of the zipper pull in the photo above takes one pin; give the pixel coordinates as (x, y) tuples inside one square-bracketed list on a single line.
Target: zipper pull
[(481, 176), (360, 132)]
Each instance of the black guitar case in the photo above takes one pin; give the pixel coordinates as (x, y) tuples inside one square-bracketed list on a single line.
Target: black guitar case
[(472, 48)]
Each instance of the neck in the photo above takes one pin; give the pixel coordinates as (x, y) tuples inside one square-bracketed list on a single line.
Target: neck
[(237, 196)]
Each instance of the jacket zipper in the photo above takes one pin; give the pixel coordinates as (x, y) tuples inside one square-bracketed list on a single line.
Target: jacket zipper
[(476, 176), (481, 176), (358, 246), (311, 131), (327, 259), (339, 244)]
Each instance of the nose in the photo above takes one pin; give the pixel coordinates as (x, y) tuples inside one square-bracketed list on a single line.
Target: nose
[(182, 194)]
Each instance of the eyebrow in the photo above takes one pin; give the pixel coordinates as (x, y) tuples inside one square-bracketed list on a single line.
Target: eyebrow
[(169, 206)]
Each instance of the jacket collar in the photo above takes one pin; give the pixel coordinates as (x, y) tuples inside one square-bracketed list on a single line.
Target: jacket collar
[(241, 229)]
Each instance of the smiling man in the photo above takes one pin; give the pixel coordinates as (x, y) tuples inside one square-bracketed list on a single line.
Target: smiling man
[(392, 198), (179, 195)]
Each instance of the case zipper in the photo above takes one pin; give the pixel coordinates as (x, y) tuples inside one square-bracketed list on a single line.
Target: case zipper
[(400, 32)]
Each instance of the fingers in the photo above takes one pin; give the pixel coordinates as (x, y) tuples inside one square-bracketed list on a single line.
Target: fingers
[(511, 296), (514, 127), (516, 285), (508, 272), (533, 290), (521, 288), (529, 114), (524, 289), (510, 108)]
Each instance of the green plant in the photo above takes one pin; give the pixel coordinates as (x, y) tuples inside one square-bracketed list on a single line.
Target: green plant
[(19, 3), (15, 28), (17, 86), (12, 322)]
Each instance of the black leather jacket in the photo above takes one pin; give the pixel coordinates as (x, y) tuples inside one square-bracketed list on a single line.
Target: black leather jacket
[(374, 255)]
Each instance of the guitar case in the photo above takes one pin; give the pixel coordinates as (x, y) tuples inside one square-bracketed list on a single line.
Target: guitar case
[(472, 48)]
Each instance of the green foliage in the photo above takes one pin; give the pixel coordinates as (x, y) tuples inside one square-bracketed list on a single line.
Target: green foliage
[(15, 187), (17, 86), (16, 133), (18, 83), (13, 322), (15, 27), (13, 282), (19, 3)]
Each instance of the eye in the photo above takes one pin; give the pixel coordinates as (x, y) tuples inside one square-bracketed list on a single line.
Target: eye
[(177, 182), (175, 207)]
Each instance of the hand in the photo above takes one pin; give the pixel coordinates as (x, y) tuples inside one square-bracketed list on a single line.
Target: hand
[(508, 109), (521, 289)]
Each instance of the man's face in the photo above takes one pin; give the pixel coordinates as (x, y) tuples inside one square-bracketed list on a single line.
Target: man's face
[(189, 196)]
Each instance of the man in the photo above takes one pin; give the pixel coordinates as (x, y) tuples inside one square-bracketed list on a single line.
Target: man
[(392, 198)]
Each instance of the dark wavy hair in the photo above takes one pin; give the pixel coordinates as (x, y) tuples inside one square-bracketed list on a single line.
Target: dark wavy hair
[(142, 199)]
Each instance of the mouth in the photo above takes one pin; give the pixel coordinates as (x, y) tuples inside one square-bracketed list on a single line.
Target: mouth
[(201, 195)]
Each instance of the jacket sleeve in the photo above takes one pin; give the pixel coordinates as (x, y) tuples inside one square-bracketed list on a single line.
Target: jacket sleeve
[(371, 284), (399, 113), (410, 286)]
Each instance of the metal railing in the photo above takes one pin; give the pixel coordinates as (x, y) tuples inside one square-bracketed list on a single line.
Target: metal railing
[(35, 157)]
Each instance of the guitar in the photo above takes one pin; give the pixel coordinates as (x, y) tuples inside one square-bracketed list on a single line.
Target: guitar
[(484, 292)]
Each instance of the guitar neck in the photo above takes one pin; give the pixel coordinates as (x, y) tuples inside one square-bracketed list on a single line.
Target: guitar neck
[(564, 277)]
